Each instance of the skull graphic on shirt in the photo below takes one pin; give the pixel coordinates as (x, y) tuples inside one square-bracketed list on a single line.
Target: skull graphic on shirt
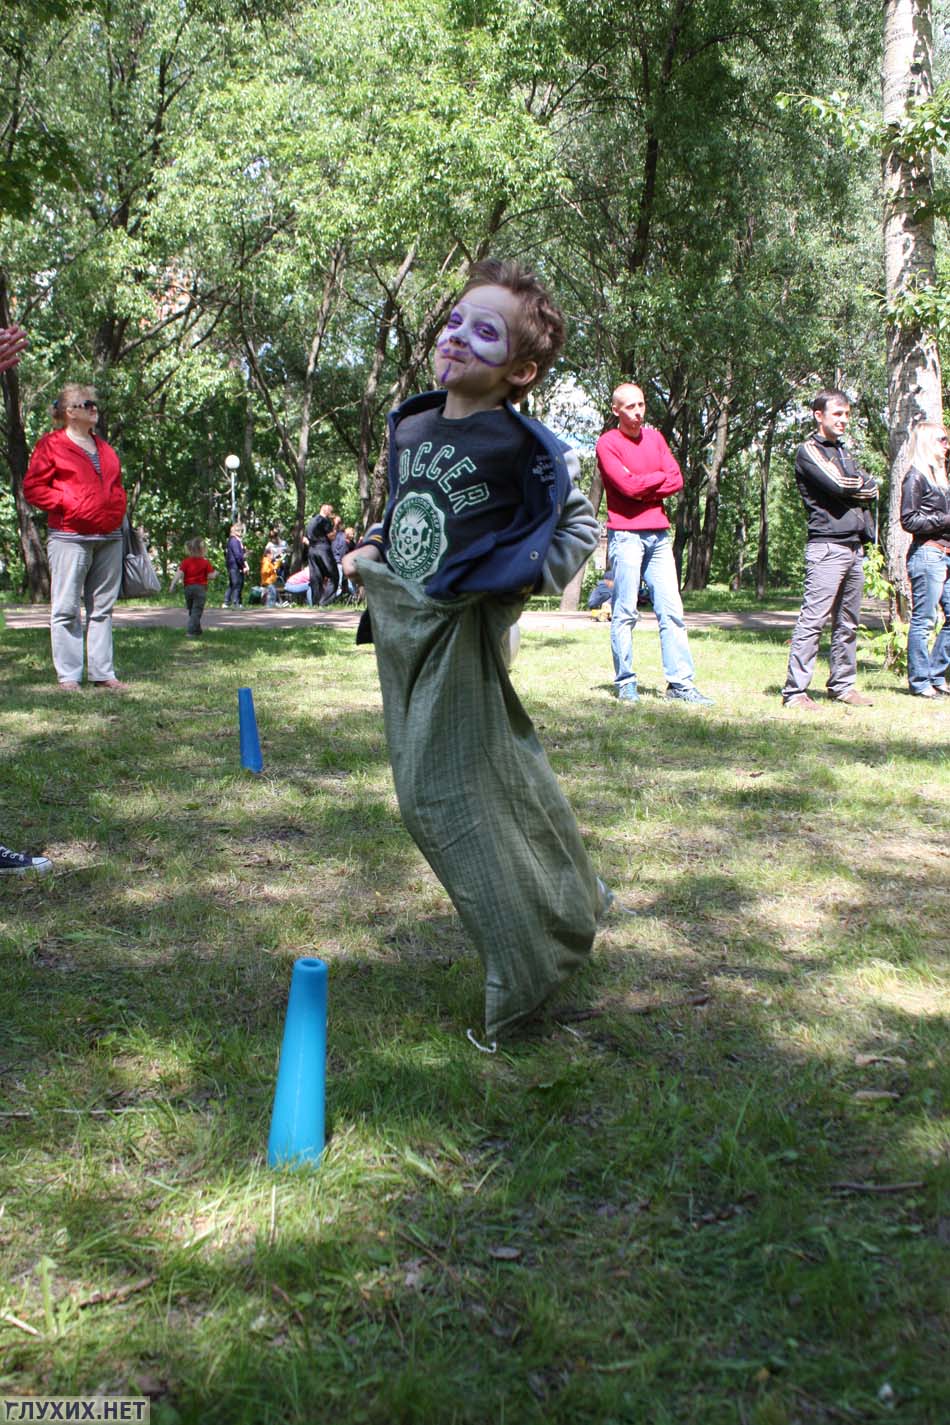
[(416, 537)]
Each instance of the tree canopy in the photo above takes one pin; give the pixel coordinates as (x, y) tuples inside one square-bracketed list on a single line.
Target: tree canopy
[(244, 222)]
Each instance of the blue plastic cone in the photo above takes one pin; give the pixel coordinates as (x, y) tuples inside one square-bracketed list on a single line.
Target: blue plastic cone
[(247, 725), (297, 1122)]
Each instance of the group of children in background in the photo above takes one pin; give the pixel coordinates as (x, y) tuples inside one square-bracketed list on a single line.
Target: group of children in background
[(195, 570)]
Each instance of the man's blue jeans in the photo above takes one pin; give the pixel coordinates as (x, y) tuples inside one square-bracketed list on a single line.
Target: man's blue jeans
[(647, 555), (930, 587)]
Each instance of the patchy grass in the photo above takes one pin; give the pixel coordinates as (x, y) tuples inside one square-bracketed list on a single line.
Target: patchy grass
[(637, 1216), (717, 597)]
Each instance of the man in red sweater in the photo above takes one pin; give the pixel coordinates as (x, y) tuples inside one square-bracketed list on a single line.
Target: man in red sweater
[(639, 471)]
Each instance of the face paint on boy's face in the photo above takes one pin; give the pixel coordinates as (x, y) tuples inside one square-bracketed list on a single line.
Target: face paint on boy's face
[(472, 331)]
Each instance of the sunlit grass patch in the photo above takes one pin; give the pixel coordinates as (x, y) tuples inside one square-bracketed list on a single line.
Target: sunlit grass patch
[(661, 1206)]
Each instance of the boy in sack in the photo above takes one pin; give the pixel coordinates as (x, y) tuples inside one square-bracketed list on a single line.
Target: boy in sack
[(194, 571), (482, 513)]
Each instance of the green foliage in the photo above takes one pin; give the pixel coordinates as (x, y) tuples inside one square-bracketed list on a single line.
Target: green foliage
[(920, 135), (853, 126), (39, 153), (890, 644), (276, 199)]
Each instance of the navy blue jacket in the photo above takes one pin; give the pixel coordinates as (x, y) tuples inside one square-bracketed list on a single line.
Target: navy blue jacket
[(235, 555), (508, 561)]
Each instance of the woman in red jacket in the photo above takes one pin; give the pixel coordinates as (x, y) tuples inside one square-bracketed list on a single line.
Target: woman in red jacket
[(76, 478)]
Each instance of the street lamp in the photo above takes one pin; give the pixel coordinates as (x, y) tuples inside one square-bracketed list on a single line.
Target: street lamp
[(231, 463)]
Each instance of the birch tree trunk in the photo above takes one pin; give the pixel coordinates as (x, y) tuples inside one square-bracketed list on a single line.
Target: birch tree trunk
[(913, 362)]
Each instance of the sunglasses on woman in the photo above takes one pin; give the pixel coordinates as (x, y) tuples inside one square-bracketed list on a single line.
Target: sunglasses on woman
[(83, 406)]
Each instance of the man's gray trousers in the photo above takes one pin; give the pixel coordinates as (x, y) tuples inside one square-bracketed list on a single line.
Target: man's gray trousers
[(834, 584)]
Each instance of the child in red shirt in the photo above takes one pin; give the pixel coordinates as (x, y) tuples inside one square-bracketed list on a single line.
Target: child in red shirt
[(194, 572)]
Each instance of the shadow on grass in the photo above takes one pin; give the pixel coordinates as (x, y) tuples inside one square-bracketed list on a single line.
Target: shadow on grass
[(453, 1256), (627, 1218)]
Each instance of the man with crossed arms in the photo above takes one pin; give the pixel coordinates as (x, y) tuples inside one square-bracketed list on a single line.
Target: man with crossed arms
[(837, 496), (639, 471)]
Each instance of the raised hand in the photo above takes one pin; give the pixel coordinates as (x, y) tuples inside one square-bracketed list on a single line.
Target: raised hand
[(13, 342)]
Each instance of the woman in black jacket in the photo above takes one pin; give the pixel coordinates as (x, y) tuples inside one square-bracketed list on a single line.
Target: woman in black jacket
[(925, 514)]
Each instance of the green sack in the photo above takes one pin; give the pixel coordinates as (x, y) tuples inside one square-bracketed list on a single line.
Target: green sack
[(476, 792)]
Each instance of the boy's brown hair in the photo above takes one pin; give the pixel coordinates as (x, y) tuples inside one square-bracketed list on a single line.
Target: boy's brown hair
[(541, 330), (195, 547)]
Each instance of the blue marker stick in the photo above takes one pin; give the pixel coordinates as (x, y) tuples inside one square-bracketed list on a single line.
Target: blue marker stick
[(297, 1122), (247, 725)]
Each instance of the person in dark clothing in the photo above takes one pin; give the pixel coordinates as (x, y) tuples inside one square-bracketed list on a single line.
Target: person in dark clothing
[(324, 575), (837, 496), (342, 542), (235, 556), (601, 594), (338, 541), (925, 514), (13, 342)]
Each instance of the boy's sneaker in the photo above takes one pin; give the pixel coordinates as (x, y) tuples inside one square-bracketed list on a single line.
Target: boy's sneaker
[(627, 693), (689, 695), (14, 863)]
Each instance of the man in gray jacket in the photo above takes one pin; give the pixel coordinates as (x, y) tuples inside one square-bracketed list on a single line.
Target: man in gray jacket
[(837, 496)]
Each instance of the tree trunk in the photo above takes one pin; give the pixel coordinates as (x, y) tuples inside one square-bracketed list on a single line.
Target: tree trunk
[(31, 546), (365, 471), (681, 520), (765, 469), (325, 312), (913, 362), (294, 456), (703, 540), (378, 485), (651, 154), (376, 493), (742, 537)]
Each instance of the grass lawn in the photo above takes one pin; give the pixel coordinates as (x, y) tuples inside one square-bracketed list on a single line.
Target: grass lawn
[(723, 1196)]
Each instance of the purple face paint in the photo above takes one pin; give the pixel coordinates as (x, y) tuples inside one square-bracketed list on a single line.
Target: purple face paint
[(479, 332)]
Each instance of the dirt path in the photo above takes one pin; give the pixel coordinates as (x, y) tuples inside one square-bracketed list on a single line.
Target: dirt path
[(167, 616)]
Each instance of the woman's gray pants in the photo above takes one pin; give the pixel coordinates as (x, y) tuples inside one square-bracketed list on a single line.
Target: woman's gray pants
[(83, 574)]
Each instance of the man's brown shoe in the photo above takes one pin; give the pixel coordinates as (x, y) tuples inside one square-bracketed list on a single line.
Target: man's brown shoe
[(855, 699), (801, 701)]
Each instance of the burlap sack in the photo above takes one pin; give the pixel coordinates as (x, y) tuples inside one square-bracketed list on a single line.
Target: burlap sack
[(476, 792)]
